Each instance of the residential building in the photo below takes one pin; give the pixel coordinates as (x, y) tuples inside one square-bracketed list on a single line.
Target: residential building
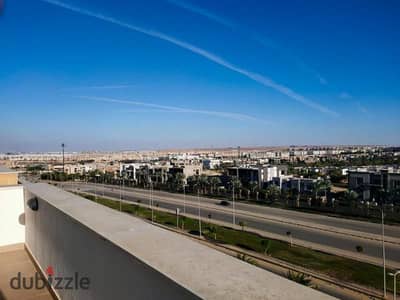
[(369, 182), (260, 174), (299, 184), (210, 163)]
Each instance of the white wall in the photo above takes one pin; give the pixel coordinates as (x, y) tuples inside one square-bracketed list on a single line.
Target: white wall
[(12, 230)]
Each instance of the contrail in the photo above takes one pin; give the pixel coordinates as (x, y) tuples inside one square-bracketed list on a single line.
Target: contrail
[(175, 109), (203, 12), (345, 95), (101, 87), (258, 38), (201, 52)]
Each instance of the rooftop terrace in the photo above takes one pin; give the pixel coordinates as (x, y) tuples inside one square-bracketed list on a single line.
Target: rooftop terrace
[(123, 257)]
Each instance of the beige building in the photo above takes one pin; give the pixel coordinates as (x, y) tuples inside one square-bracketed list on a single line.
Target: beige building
[(8, 177)]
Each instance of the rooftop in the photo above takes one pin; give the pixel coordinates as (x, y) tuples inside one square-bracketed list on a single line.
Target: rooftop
[(6, 170), (194, 266)]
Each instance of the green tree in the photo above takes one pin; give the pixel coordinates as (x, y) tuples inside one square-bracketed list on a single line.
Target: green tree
[(322, 186), (214, 183), (266, 245), (177, 181), (213, 230), (254, 188), (242, 224), (351, 197), (272, 193), (235, 185), (204, 183)]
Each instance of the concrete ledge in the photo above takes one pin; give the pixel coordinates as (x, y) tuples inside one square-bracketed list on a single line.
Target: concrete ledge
[(201, 271)]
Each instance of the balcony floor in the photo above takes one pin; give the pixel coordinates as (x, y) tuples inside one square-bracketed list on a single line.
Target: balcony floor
[(14, 259)]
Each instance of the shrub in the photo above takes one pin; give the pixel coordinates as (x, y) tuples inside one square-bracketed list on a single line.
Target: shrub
[(299, 278)]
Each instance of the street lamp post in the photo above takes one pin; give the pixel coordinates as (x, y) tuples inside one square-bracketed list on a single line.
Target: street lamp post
[(177, 218), (233, 206), (394, 282), (63, 160), (104, 185), (198, 201), (120, 194), (95, 183), (383, 253), (151, 201), (184, 198)]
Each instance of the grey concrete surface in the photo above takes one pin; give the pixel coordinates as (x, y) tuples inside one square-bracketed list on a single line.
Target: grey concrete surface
[(127, 258)]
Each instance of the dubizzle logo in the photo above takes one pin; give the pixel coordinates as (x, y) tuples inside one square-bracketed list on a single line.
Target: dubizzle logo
[(74, 282)]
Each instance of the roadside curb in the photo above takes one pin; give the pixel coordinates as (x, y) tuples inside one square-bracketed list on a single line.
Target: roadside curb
[(345, 232), (342, 253)]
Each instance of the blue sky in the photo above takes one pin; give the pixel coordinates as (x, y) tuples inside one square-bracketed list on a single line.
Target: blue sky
[(113, 75)]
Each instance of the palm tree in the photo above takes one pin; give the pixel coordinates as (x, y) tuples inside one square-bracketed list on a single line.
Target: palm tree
[(272, 193), (235, 183), (203, 181), (394, 197), (141, 177), (171, 181), (350, 197), (327, 187), (214, 182), (285, 197), (179, 181), (192, 182), (253, 185), (322, 185)]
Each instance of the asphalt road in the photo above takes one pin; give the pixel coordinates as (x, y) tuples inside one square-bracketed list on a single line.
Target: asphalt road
[(272, 221)]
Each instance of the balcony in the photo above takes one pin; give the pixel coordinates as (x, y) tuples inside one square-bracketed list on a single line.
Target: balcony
[(122, 257)]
